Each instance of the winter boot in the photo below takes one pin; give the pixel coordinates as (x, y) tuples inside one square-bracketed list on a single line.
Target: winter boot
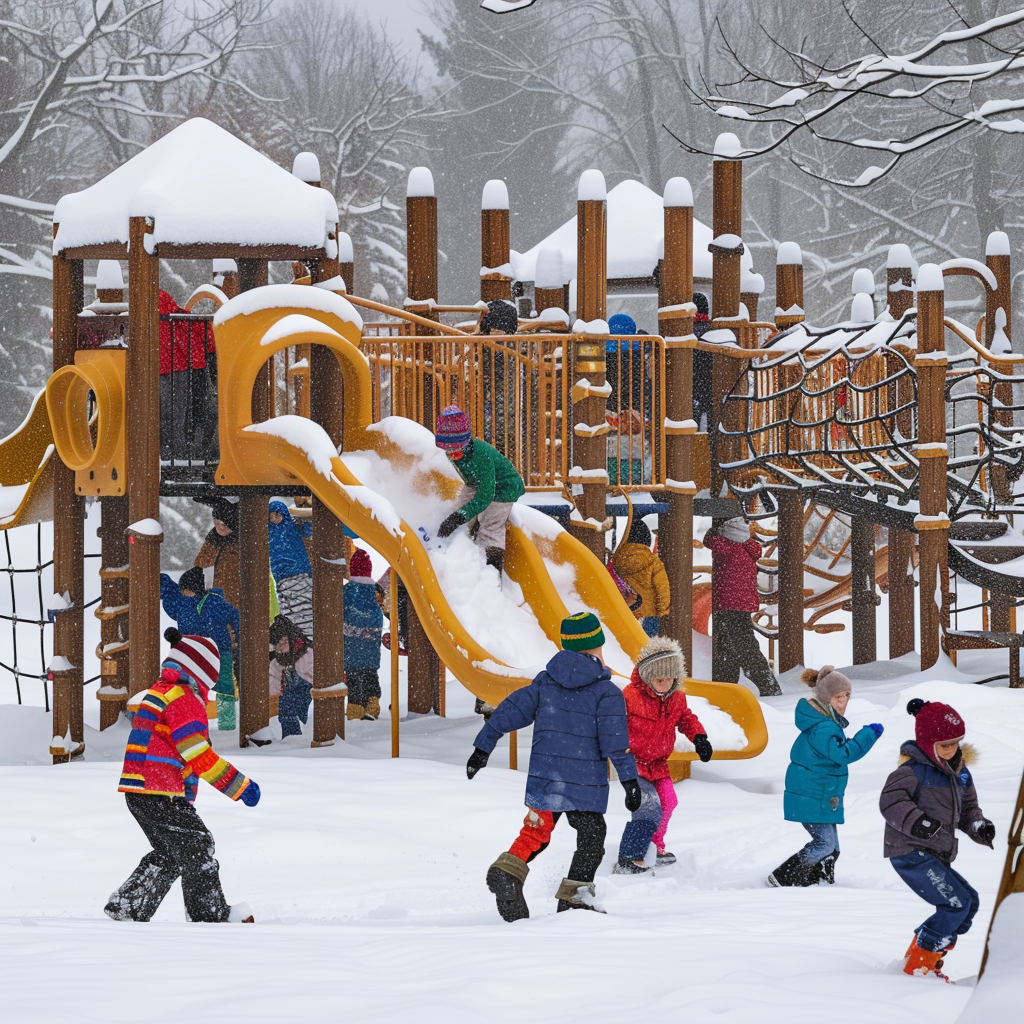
[(241, 913), (923, 962), (792, 873), (354, 712), (624, 866), (826, 869), (373, 709), (505, 878), (665, 858), (496, 559), (577, 896)]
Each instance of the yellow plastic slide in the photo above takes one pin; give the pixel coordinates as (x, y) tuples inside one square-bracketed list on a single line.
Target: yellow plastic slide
[(291, 450), (26, 469)]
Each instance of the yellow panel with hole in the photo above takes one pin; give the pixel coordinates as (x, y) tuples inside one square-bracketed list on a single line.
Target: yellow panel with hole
[(92, 445)]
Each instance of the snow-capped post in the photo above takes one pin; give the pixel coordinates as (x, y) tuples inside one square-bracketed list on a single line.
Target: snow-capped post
[(933, 522), (68, 528), (899, 280), (113, 611), (346, 261), (549, 285), (726, 252), (589, 474), (225, 276), (675, 325), (751, 289), (789, 285), (142, 441), (789, 310), (495, 272)]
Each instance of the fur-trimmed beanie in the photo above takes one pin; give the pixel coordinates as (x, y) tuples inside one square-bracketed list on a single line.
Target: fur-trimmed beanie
[(360, 567), (452, 432), (935, 723), (660, 658), (197, 657), (736, 529), (827, 682)]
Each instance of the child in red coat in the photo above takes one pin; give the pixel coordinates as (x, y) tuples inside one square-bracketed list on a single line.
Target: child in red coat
[(656, 708)]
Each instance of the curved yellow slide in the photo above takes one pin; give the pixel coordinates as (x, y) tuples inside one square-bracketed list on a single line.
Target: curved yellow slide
[(26, 467)]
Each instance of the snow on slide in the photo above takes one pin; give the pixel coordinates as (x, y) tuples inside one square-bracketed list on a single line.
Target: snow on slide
[(495, 614)]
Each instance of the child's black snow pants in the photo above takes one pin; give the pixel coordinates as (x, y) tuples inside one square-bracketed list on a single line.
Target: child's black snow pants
[(733, 647), (182, 845)]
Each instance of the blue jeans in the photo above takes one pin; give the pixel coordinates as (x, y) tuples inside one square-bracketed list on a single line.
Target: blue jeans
[(640, 829), (824, 840), (955, 901), (293, 707)]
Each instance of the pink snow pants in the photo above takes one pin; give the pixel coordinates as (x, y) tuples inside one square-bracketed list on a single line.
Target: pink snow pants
[(669, 802)]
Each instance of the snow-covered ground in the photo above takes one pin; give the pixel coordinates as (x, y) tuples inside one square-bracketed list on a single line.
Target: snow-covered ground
[(366, 878)]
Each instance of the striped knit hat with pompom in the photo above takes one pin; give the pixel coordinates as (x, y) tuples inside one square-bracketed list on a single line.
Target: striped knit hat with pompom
[(581, 632), (198, 657), (452, 433)]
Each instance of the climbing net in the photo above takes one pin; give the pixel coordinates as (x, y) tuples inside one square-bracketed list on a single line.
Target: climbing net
[(25, 641)]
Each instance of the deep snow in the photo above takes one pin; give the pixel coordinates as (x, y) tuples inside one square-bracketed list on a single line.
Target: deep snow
[(366, 878)]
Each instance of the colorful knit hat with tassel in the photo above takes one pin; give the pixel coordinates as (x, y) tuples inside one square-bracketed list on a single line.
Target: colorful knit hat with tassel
[(452, 432)]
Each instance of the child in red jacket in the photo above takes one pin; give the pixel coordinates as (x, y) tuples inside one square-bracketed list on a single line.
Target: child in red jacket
[(168, 751), (734, 597), (656, 708)]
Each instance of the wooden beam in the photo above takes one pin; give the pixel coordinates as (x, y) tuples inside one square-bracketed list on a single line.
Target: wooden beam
[(862, 589), (791, 580)]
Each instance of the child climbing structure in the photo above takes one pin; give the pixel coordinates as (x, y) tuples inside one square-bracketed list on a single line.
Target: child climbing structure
[(117, 458)]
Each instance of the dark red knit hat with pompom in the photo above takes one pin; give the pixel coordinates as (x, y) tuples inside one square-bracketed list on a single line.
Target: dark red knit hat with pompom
[(935, 723), (360, 564)]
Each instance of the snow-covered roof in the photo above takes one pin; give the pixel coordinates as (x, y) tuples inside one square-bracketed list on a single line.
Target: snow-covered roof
[(636, 230), (201, 185)]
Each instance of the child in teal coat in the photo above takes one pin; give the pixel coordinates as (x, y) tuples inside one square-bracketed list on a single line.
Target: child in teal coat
[(817, 775)]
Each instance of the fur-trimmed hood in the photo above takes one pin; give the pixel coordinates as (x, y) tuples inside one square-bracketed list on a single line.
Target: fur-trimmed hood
[(968, 755)]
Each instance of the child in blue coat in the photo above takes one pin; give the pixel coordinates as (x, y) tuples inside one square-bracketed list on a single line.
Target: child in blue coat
[(289, 565), (362, 627), (579, 724), (201, 612), (817, 775)]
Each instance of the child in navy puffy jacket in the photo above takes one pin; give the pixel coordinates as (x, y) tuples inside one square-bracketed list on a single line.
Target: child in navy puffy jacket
[(579, 724), (925, 801), (363, 624), (289, 565)]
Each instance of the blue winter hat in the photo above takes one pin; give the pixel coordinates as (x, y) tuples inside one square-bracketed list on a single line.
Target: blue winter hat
[(622, 323)]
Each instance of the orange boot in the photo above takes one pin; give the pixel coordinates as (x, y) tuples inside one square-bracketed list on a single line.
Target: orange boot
[(923, 962)]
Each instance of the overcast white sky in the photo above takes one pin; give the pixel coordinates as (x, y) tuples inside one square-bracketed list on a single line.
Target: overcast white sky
[(404, 17)]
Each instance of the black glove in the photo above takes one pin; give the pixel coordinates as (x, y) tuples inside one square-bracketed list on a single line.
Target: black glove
[(634, 797), (703, 746), (984, 832), (925, 827), (451, 524), (477, 760)]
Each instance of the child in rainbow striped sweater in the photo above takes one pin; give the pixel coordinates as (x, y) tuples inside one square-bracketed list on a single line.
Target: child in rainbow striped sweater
[(168, 751)]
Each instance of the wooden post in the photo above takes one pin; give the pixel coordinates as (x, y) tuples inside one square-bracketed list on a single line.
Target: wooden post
[(254, 559), (726, 250), (113, 692), (513, 750), (752, 286), (997, 340), (494, 242), (548, 285), (326, 404), (254, 642), (346, 261), (68, 534), (142, 435), (421, 272), (901, 592), (862, 589), (899, 280), (790, 551), (932, 523), (789, 285), (675, 324), (394, 662), (588, 408)]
